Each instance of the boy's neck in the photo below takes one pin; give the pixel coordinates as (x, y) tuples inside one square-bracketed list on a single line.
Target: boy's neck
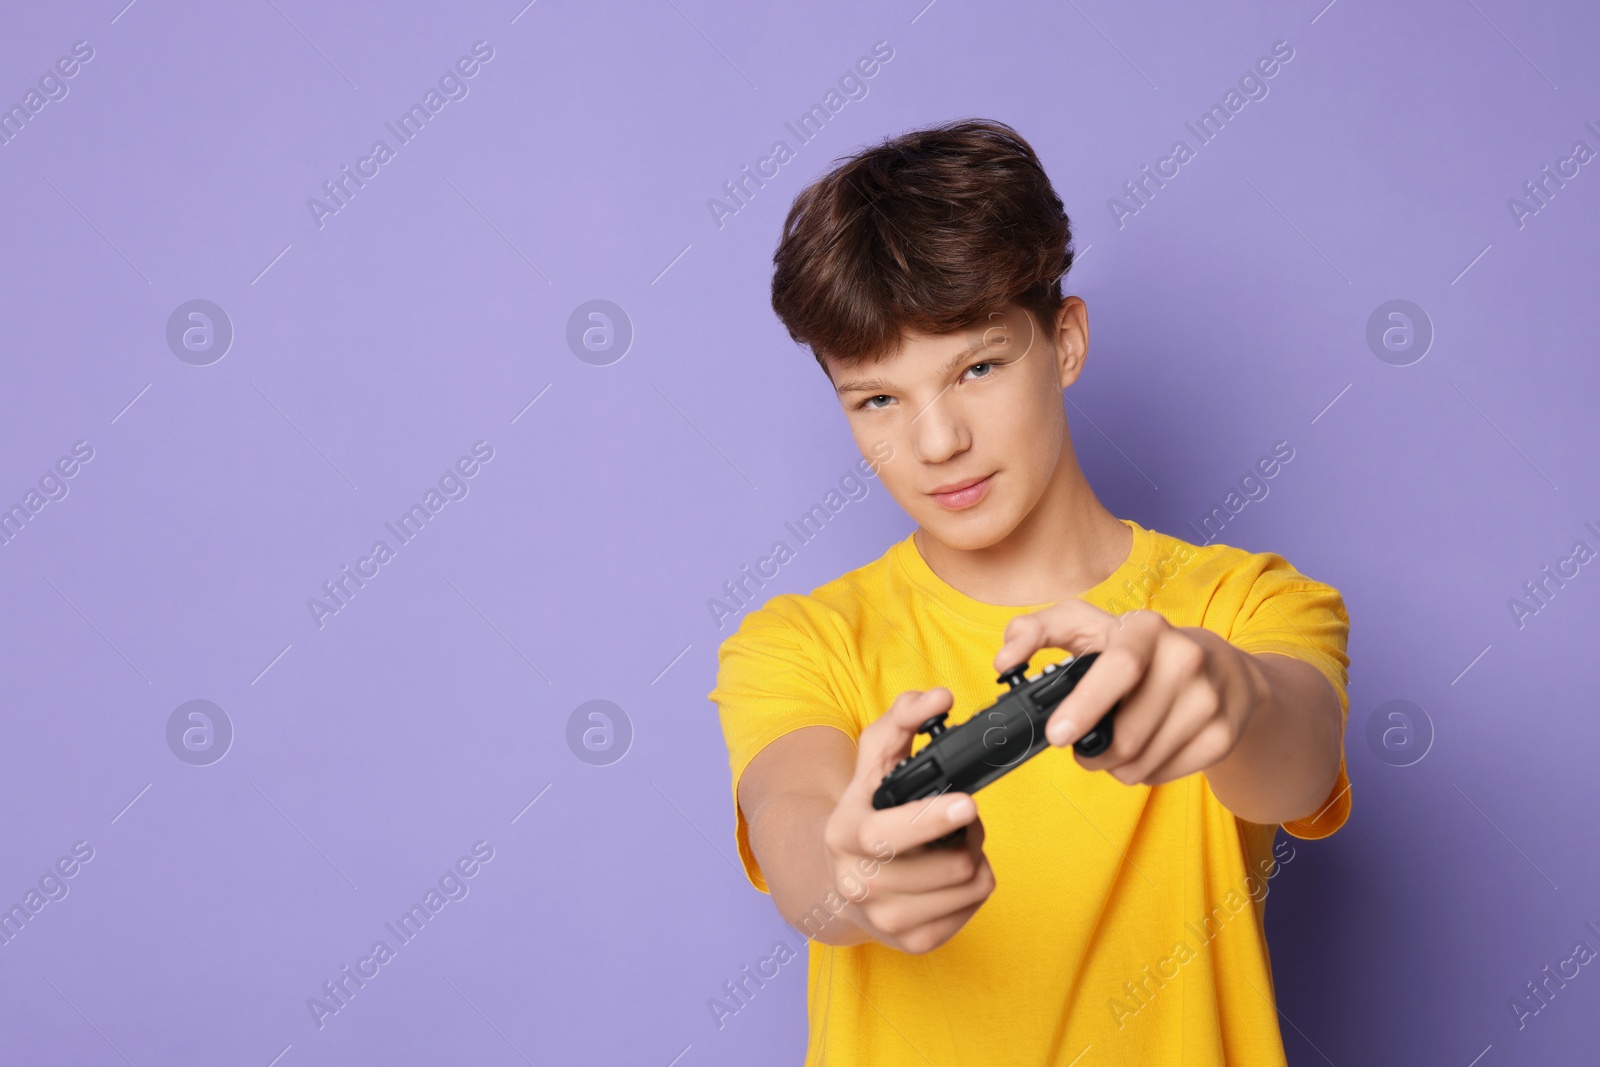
[(1066, 545)]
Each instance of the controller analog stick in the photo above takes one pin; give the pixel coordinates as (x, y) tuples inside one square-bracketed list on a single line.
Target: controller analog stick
[(934, 726), (1015, 676)]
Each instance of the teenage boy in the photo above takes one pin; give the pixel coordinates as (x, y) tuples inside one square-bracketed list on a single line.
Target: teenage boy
[(1101, 911)]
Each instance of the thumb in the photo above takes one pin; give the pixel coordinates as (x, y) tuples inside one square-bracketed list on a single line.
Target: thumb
[(887, 739)]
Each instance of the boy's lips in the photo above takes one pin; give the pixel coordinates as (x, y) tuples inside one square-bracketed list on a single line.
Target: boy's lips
[(955, 496)]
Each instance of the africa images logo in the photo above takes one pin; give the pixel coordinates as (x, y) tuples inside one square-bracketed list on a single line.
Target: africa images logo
[(452, 85), (1252, 85), (340, 590), (852, 84), (805, 529)]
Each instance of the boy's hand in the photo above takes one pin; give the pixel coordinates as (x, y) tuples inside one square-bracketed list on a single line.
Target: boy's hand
[(917, 898), (1187, 695)]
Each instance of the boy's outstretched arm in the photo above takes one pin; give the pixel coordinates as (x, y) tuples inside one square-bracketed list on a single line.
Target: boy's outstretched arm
[(1264, 727), (1287, 760), (843, 872)]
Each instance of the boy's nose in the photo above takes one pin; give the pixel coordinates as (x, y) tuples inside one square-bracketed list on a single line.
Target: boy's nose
[(939, 433)]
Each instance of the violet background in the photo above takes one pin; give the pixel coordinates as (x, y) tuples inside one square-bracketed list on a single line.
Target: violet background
[(1228, 314)]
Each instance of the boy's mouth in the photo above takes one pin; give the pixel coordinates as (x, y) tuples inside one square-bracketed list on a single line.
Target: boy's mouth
[(954, 496)]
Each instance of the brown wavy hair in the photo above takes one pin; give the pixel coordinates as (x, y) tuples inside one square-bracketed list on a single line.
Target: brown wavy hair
[(930, 231)]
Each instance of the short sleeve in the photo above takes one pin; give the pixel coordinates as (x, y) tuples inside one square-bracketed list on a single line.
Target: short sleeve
[(772, 678), (1288, 613)]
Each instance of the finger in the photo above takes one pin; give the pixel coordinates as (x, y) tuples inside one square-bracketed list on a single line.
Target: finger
[(919, 821), (927, 869), (1115, 673), (906, 912), (1192, 707), (887, 739), (936, 933), (950, 925), (1074, 625), (1204, 750), (932, 868), (972, 842), (1172, 665)]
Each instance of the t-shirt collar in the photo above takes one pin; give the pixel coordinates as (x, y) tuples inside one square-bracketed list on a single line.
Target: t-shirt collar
[(909, 562)]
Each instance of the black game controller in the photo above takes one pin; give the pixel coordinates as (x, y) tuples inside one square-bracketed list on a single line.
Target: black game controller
[(968, 757)]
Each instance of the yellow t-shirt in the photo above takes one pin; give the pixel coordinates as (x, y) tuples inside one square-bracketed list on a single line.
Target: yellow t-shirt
[(1127, 922)]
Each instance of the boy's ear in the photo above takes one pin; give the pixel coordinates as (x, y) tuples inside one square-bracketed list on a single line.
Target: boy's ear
[(1071, 339)]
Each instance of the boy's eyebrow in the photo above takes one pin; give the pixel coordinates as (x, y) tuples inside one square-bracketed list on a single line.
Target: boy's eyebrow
[(862, 385)]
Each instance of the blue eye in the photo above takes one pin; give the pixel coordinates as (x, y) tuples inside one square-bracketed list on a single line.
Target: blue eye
[(975, 366), (868, 402)]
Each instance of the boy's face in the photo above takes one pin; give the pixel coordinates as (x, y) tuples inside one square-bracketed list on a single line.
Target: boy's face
[(974, 419)]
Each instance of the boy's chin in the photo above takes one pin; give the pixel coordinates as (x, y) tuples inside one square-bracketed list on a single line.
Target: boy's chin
[(970, 530)]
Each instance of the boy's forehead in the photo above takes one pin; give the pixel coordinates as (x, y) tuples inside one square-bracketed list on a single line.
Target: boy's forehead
[(931, 352), (1002, 322)]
